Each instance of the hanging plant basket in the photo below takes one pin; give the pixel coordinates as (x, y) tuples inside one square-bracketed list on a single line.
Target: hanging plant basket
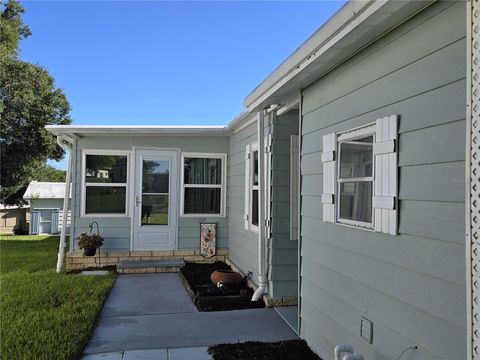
[(90, 242), (89, 251)]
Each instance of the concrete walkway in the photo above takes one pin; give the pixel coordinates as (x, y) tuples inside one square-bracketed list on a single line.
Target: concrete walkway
[(154, 311)]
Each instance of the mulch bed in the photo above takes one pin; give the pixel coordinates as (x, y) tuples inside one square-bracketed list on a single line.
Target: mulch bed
[(207, 297), (282, 350)]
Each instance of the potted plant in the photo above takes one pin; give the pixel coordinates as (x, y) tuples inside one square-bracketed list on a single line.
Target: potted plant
[(89, 243)]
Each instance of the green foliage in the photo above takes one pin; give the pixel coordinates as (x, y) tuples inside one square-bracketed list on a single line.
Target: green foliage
[(45, 172), (45, 315), (92, 241), (29, 100), (12, 28)]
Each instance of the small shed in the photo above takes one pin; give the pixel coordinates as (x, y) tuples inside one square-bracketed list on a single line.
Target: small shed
[(46, 207), (14, 219)]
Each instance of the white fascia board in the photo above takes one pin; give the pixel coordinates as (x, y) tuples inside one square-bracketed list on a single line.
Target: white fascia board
[(135, 130), (242, 118), (352, 28)]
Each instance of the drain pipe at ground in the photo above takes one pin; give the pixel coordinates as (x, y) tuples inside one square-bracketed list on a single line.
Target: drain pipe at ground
[(257, 295), (61, 246), (342, 350)]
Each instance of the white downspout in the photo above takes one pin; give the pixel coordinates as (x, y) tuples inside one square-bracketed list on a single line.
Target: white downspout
[(61, 246), (262, 279), (341, 350)]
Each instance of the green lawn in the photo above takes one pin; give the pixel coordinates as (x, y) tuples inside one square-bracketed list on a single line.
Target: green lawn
[(44, 315)]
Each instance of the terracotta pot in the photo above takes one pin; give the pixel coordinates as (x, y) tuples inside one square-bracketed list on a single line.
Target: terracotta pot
[(226, 277), (90, 251)]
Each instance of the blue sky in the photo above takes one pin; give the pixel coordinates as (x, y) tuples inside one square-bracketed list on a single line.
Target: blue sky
[(164, 62)]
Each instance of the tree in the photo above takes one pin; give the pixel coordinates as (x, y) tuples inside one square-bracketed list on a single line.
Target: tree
[(29, 100), (45, 172)]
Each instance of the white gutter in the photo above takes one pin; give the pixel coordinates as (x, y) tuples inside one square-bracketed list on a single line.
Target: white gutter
[(136, 130), (61, 140), (262, 279)]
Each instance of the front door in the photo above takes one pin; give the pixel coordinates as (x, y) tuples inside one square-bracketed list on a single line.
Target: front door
[(155, 213)]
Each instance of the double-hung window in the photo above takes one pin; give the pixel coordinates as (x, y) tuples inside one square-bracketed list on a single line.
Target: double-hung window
[(105, 183), (203, 184), (360, 176), (251, 187), (355, 178)]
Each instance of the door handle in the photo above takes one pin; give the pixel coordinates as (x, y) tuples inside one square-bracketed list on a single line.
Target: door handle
[(137, 200)]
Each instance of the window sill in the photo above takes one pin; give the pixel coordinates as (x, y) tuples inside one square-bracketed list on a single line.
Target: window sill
[(90, 216), (202, 216), (353, 226)]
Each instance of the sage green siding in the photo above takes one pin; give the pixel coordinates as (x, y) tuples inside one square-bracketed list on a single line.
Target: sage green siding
[(412, 286), (243, 244), (283, 252), (116, 231)]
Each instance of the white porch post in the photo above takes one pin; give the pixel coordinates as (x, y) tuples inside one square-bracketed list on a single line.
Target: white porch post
[(472, 166), (61, 246), (262, 279)]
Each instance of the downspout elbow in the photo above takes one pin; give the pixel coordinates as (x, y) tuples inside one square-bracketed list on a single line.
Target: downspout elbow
[(342, 349), (257, 295), (353, 357)]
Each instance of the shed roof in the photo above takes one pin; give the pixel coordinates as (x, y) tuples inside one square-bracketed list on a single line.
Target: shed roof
[(45, 190)]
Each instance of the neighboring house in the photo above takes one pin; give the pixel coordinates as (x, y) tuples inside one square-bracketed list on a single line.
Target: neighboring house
[(46, 207), (347, 172), (14, 219)]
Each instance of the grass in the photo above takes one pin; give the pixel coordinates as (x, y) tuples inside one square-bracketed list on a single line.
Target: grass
[(44, 315)]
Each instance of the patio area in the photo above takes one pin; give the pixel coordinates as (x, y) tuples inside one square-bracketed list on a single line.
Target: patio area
[(154, 312)]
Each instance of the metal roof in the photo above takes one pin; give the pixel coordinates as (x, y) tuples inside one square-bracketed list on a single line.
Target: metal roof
[(45, 190)]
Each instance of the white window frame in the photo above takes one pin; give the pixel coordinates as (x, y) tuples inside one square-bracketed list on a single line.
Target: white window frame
[(357, 133), (84, 183), (251, 187), (222, 186)]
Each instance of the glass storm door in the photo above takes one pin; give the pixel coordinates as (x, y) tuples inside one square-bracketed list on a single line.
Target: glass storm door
[(155, 202)]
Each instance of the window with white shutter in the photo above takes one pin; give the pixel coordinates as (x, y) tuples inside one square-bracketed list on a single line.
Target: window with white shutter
[(360, 176)]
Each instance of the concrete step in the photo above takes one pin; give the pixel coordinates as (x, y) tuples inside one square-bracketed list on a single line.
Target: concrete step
[(149, 266)]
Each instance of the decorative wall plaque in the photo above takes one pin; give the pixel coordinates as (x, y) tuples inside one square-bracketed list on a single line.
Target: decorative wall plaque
[(208, 240)]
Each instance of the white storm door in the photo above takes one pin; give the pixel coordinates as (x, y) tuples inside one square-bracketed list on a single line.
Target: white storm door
[(155, 200)]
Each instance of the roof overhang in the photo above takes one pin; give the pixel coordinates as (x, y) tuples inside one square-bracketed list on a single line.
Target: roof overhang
[(135, 130), (357, 24)]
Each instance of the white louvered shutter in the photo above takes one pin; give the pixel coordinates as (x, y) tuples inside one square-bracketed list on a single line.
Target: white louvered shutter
[(35, 222), (55, 221), (328, 160), (268, 185), (247, 187), (385, 183), (294, 168)]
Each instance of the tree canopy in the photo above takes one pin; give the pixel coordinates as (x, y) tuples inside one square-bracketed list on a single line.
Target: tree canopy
[(29, 100)]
